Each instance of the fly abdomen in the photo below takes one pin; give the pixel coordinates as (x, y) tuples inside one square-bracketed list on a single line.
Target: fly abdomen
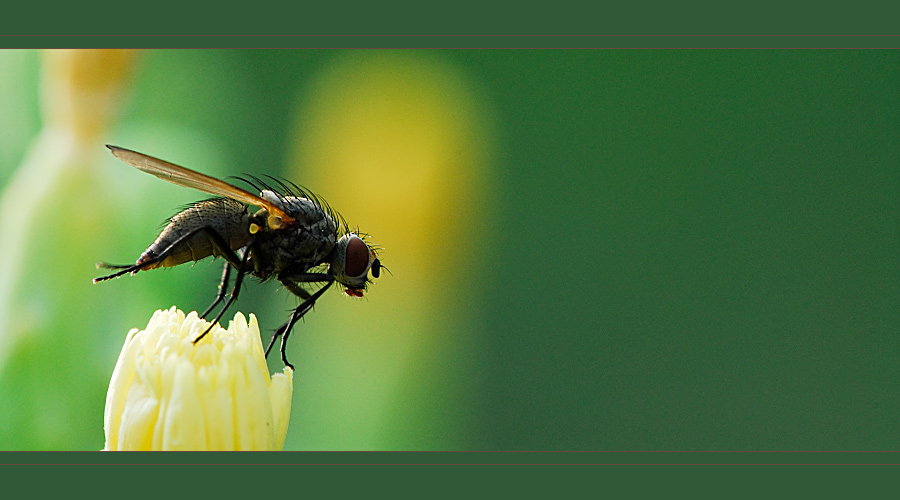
[(194, 233)]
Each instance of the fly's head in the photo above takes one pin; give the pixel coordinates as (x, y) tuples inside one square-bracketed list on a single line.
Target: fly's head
[(353, 259)]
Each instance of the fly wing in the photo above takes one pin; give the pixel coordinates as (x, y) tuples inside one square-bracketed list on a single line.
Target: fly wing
[(191, 179)]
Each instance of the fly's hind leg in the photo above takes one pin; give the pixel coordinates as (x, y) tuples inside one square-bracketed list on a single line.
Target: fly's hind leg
[(221, 248), (216, 240)]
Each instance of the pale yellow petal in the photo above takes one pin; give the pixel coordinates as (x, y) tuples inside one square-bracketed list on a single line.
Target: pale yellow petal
[(280, 393), (115, 397), (135, 431), (168, 393), (217, 406), (184, 426), (253, 419)]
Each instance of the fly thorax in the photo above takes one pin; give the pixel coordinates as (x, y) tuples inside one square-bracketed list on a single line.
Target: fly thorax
[(303, 244)]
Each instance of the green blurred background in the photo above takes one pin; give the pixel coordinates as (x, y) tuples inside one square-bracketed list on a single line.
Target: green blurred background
[(590, 250)]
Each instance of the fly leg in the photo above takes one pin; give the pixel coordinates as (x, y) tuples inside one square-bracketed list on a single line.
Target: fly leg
[(221, 248), (234, 293), (222, 287), (309, 300), (215, 239)]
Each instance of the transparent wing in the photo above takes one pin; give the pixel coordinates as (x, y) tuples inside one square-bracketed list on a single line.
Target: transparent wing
[(191, 179)]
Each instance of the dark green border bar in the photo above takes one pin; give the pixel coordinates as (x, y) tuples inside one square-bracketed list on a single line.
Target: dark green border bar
[(456, 42), (463, 457)]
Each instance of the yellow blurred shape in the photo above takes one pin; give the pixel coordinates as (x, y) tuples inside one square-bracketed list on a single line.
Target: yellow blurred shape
[(398, 142), (57, 182), (82, 88)]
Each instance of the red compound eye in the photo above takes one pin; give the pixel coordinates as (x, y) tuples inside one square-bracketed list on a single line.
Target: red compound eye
[(356, 261)]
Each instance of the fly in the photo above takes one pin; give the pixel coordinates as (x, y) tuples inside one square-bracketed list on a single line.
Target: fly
[(294, 237)]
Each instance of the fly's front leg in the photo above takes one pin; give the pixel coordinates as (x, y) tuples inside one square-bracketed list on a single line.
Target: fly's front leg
[(309, 300), (297, 290)]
